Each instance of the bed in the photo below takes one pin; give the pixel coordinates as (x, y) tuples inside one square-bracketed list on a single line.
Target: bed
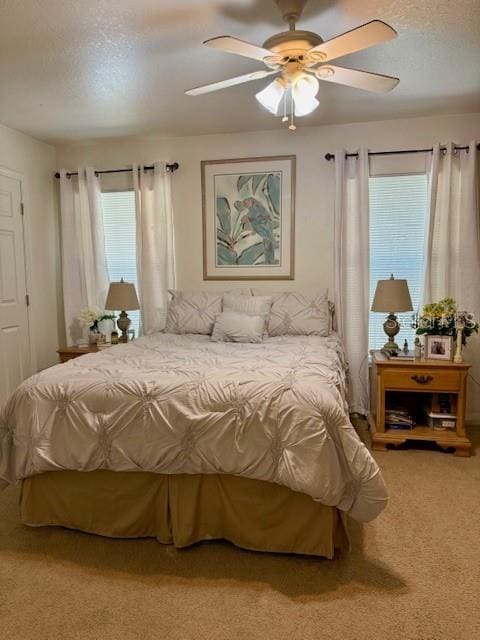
[(183, 439)]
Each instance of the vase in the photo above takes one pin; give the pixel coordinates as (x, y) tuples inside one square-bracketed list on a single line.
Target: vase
[(92, 336), (106, 327), (458, 358)]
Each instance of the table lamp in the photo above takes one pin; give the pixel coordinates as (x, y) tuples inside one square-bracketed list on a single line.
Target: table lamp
[(391, 296), (122, 296)]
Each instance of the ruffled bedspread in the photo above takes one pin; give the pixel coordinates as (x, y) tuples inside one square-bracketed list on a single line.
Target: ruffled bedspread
[(274, 411)]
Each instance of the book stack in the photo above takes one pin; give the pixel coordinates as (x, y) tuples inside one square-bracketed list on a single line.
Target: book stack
[(398, 419), (404, 356), (442, 413), (442, 421)]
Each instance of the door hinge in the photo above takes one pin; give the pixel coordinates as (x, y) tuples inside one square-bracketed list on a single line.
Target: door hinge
[(27, 299), (22, 209)]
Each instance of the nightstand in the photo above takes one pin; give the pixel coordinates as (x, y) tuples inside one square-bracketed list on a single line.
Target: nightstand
[(69, 353), (411, 384)]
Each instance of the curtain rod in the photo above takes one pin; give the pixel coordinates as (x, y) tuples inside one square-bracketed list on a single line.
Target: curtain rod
[(331, 156), (170, 167)]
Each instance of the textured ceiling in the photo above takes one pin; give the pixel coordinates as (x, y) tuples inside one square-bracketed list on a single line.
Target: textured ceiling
[(103, 68)]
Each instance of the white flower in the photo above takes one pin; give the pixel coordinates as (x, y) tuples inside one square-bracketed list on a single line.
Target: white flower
[(89, 315)]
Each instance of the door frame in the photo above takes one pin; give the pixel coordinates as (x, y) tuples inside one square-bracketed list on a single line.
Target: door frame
[(27, 253)]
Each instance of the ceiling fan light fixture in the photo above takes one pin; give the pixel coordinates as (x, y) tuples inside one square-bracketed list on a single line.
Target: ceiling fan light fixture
[(271, 96), (305, 106), (304, 90)]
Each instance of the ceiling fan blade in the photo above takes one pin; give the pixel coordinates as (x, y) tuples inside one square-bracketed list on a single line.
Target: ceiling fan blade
[(358, 79), (239, 47), (223, 84), (369, 34)]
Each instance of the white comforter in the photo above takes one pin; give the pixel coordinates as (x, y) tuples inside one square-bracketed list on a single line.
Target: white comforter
[(182, 404)]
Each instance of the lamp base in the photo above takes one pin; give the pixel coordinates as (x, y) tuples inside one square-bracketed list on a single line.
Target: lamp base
[(391, 328), (390, 347), (123, 323)]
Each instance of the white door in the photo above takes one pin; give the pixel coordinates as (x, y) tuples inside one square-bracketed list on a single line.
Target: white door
[(14, 336)]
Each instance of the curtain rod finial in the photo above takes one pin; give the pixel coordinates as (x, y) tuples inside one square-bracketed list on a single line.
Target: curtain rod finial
[(329, 156)]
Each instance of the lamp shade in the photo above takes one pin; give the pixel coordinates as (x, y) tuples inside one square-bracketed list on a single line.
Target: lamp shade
[(304, 90), (122, 296), (392, 296), (271, 96)]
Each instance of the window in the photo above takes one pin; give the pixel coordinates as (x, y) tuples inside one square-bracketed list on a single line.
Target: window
[(119, 222), (398, 206)]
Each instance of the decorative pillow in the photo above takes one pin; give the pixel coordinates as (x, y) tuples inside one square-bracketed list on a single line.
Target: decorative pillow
[(192, 312), (251, 305), (231, 326), (295, 314), (239, 292)]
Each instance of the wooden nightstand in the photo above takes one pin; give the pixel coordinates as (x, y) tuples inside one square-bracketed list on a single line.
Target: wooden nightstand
[(69, 353), (411, 384)]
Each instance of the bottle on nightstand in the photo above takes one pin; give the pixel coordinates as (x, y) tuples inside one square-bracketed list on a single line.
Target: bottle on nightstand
[(418, 348)]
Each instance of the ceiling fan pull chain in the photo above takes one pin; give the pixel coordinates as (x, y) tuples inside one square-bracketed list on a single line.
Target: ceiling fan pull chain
[(285, 117), (291, 126)]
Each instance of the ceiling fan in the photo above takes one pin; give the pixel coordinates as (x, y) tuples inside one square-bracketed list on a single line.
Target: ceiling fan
[(299, 59)]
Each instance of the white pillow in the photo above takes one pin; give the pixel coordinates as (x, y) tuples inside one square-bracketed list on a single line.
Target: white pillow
[(295, 314), (239, 292), (231, 326), (251, 305), (192, 312)]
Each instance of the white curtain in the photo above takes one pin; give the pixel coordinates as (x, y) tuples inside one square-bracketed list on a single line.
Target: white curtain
[(352, 265), (84, 268), (155, 244), (452, 256)]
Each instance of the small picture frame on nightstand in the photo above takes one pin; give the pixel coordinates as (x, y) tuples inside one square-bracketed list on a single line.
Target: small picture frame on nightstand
[(439, 347)]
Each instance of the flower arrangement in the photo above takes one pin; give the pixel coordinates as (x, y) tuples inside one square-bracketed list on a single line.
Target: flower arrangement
[(443, 319), (91, 316)]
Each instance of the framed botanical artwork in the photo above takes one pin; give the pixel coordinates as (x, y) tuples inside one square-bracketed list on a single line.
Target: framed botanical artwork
[(249, 218), (439, 347)]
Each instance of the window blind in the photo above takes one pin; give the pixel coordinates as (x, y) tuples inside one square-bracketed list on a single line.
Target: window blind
[(120, 240), (398, 206)]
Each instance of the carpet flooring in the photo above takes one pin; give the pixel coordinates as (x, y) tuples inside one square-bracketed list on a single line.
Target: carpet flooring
[(413, 574)]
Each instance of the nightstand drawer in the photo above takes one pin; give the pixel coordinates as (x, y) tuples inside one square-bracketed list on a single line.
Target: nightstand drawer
[(419, 380)]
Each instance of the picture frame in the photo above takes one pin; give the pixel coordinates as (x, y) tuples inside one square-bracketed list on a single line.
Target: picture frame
[(439, 347), (248, 215)]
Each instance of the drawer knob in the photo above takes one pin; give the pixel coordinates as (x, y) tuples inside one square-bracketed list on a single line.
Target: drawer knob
[(422, 379)]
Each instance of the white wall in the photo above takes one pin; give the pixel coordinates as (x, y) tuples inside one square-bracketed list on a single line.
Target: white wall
[(315, 179), (36, 162)]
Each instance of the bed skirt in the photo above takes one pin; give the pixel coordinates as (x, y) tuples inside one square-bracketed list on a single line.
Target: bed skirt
[(184, 509)]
